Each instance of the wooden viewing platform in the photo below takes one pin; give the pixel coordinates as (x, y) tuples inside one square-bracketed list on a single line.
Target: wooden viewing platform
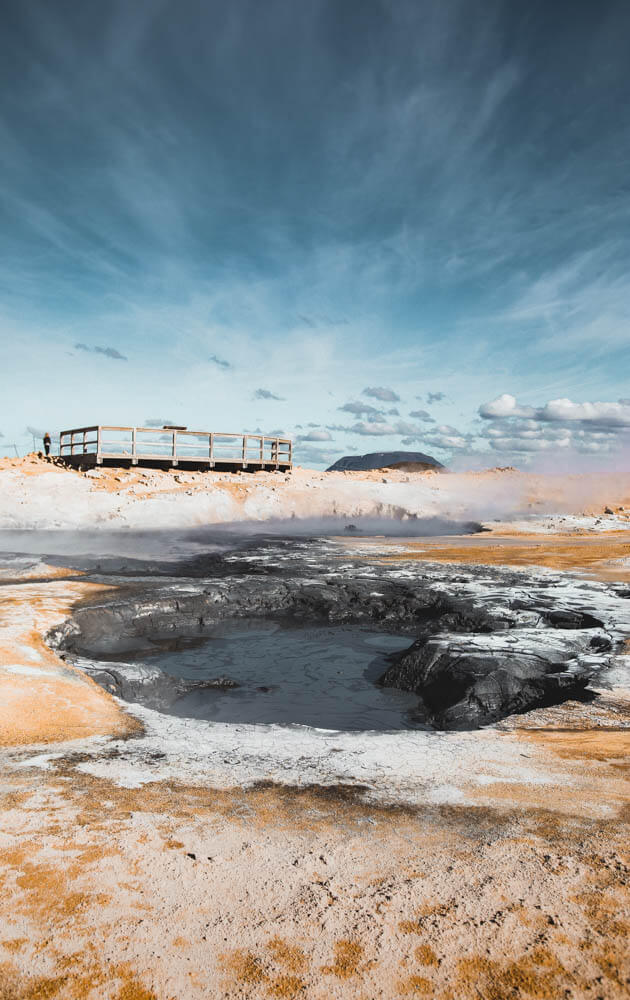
[(172, 446)]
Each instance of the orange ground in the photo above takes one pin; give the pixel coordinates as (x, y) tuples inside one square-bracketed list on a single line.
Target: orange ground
[(595, 555)]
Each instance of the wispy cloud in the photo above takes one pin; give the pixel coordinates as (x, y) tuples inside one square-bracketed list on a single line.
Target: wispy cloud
[(109, 352), (219, 362), (383, 393), (266, 394), (361, 409), (321, 435)]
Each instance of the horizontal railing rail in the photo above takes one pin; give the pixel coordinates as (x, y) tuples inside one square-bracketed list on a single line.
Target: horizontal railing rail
[(109, 441)]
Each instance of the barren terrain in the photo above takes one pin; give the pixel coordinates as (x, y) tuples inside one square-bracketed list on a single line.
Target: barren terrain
[(143, 858)]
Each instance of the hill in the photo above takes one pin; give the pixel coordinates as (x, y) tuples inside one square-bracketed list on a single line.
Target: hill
[(414, 460)]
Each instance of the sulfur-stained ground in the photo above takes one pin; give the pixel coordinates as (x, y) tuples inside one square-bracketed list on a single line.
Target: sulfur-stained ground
[(173, 891)]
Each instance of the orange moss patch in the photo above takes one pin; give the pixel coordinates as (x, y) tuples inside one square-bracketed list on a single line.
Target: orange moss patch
[(348, 957), (286, 986), (134, 990), (288, 955), (426, 956), (602, 912), (15, 944), (415, 986), (244, 966), (79, 986), (540, 975)]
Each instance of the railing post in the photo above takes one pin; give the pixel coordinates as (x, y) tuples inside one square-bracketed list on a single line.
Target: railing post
[(211, 450), (84, 444), (244, 449), (262, 450), (134, 446), (174, 458), (99, 457)]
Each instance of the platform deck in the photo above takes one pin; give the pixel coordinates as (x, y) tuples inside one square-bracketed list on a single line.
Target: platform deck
[(168, 447)]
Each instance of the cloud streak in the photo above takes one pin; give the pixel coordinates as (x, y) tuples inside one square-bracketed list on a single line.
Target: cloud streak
[(383, 393), (109, 352), (267, 394)]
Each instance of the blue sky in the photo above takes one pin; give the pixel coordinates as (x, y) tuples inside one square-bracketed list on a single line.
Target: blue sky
[(369, 224)]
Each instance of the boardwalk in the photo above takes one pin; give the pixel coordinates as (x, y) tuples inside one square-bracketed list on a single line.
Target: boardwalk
[(170, 446)]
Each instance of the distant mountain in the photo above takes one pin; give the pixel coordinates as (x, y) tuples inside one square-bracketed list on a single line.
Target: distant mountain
[(385, 460)]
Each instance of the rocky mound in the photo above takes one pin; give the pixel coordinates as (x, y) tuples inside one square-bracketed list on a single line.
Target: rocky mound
[(415, 461)]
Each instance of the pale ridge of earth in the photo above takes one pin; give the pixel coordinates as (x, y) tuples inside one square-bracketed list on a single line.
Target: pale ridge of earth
[(40, 495)]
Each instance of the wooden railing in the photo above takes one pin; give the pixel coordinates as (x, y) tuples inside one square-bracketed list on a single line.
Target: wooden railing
[(174, 446)]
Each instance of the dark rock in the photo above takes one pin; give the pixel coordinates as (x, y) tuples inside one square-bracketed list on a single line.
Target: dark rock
[(137, 682), (220, 683), (601, 644), (385, 460), (463, 687), (571, 619)]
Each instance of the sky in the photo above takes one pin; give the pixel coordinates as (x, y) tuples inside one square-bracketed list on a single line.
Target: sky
[(366, 224)]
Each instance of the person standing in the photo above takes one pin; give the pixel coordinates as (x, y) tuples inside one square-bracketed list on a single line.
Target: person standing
[(47, 443)]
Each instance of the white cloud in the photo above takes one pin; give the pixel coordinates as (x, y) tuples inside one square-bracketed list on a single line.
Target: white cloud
[(504, 406), (372, 429), (315, 436), (518, 444), (604, 414), (559, 424)]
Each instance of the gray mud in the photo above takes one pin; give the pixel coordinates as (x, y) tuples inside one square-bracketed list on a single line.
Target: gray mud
[(482, 643)]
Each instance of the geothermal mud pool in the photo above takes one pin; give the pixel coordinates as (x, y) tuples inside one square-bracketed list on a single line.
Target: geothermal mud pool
[(285, 631), (269, 673)]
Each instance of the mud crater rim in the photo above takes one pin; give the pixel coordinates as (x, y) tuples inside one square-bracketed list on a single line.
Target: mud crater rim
[(468, 663)]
